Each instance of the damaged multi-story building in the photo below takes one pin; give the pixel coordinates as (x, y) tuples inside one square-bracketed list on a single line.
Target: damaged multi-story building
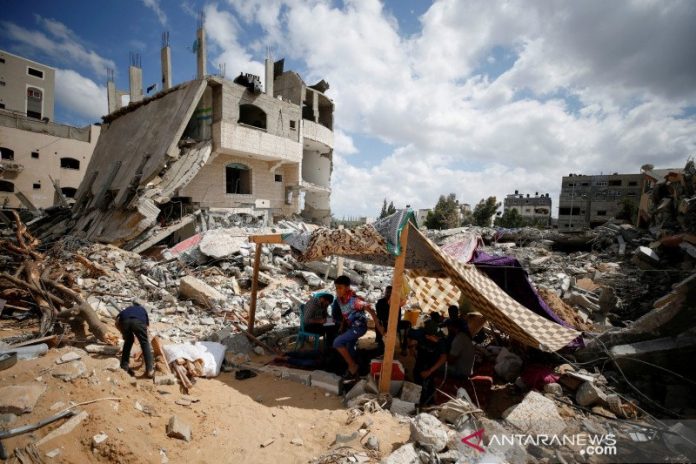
[(587, 201), (533, 209), (208, 144), (41, 163)]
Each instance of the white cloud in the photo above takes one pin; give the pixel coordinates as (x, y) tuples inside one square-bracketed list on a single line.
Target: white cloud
[(630, 65), (222, 31), (343, 143), (60, 43), (80, 96), (154, 5)]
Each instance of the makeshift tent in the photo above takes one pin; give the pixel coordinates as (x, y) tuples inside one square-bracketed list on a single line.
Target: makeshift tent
[(395, 241)]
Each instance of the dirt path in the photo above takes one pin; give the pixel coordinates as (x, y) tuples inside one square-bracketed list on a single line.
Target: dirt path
[(230, 421)]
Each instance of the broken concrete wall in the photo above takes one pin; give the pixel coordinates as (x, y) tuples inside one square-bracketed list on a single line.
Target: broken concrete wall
[(208, 188), (135, 147)]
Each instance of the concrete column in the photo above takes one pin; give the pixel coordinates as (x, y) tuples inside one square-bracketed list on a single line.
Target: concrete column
[(200, 35), (135, 81), (315, 106), (269, 76), (112, 96), (166, 56)]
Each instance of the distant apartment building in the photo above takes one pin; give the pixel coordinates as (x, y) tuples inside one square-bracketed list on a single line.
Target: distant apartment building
[(26, 87), (41, 163), (587, 201), (534, 210)]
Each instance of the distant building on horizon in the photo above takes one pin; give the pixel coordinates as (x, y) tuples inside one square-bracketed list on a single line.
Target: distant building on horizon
[(534, 210)]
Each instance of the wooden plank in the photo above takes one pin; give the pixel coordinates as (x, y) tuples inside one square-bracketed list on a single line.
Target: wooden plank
[(271, 238), (394, 302), (254, 288)]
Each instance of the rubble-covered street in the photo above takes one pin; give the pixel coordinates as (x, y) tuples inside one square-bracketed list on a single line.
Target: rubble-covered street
[(630, 291)]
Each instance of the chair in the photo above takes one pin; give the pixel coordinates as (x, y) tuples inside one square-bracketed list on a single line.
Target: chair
[(303, 335)]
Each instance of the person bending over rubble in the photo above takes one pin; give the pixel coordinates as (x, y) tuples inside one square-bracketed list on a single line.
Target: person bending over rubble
[(133, 322), (350, 309)]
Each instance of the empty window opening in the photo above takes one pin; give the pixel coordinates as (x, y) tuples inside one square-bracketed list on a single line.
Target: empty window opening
[(292, 125), (252, 115), (36, 186), (35, 154), (6, 154), (69, 163), (6, 186), (585, 184), (2, 83), (69, 192), (633, 183), (34, 102), (308, 106), (615, 183), (2, 106), (566, 211), (35, 72), (601, 213), (238, 179), (2, 60), (279, 178)]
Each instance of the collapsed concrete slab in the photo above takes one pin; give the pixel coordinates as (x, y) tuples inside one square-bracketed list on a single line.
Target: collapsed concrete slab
[(198, 291), (20, 399), (536, 415)]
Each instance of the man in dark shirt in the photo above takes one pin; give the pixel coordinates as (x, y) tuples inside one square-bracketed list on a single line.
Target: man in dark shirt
[(133, 322), (430, 357)]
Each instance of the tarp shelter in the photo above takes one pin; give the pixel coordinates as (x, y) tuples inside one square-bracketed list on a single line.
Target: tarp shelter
[(395, 241)]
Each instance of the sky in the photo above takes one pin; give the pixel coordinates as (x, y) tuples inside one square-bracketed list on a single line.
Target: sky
[(476, 98)]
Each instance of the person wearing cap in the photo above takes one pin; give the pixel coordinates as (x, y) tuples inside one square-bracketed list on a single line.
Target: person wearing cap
[(133, 323), (350, 310)]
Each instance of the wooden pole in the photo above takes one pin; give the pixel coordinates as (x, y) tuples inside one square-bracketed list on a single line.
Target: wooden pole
[(254, 288), (394, 303)]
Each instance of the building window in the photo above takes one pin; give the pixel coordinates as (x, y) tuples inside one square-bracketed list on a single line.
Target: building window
[(36, 186), (6, 186), (252, 115), (2, 83), (6, 154), (279, 178), (2, 60), (34, 102), (585, 184), (2, 106), (615, 183), (565, 211), (35, 72), (69, 163), (631, 194), (293, 125), (601, 213), (633, 183), (238, 179), (35, 154), (571, 184), (69, 192)]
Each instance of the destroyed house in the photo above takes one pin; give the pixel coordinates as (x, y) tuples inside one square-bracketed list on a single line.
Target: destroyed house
[(210, 144)]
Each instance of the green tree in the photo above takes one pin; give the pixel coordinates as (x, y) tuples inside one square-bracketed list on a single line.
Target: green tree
[(484, 211), (445, 215), (383, 212), (511, 219), (391, 209)]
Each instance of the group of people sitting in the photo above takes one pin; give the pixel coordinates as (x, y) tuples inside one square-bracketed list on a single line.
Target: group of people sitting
[(443, 347)]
